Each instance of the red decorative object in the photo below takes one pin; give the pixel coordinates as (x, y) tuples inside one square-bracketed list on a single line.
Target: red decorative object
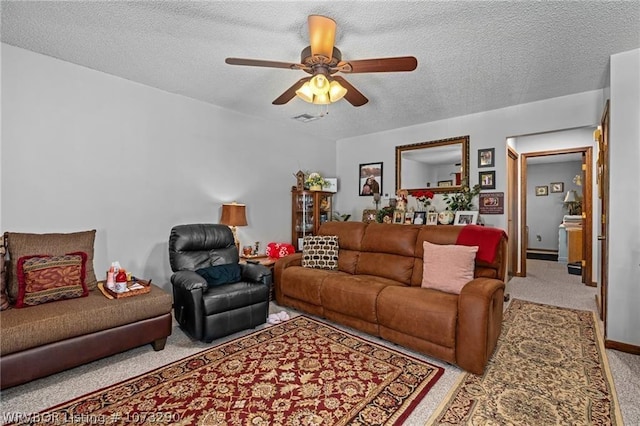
[(278, 250), (422, 195)]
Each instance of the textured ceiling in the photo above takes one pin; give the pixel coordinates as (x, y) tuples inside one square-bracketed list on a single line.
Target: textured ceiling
[(472, 56)]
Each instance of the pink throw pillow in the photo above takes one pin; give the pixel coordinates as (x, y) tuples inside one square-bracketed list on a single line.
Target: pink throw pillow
[(447, 267)]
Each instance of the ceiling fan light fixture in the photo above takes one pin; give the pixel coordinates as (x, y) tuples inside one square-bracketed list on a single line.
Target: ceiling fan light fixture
[(322, 33), (305, 93), (319, 84), (322, 99), (336, 91)]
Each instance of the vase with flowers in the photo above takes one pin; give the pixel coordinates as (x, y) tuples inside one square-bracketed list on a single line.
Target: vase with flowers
[(423, 197), (315, 181)]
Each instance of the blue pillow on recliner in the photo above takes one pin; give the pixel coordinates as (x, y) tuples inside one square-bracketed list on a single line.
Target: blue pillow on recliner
[(221, 274)]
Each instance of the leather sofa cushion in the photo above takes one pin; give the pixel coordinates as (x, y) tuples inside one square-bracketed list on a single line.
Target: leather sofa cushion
[(423, 313), (63, 319), (304, 284), (355, 295), (350, 236)]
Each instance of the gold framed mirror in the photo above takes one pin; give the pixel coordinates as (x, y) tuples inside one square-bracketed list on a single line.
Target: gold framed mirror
[(441, 166)]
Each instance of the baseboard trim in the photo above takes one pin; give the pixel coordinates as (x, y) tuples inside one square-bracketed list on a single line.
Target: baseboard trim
[(622, 347)]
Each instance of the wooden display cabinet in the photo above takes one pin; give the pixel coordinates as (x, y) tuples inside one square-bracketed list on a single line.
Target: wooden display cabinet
[(309, 210)]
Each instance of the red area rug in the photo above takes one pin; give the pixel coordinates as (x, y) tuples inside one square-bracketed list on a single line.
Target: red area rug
[(300, 372)]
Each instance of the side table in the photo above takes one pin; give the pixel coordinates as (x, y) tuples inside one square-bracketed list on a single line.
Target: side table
[(264, 260)]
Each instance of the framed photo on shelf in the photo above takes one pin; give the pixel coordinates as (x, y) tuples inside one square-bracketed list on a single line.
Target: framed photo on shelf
[(398, 217), (369, 215), (445, 182), (486, 157), (419, 218), (370, 179), (432, 218), (487, 179), (556, 186), (542, 190), (464, 217), (408, 218)]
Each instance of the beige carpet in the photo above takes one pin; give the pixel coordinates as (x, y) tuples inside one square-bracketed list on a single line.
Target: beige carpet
[(549, 368)]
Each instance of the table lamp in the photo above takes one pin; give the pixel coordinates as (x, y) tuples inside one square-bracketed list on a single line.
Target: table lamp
[(233, 215)]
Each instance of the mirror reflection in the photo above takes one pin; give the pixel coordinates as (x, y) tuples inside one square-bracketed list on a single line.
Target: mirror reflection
[(440, 166)]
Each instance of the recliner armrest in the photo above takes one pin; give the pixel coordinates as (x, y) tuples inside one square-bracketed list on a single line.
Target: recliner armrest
[(188, 280), (255, 272)]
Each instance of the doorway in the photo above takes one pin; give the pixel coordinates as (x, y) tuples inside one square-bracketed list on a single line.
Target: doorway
[(585, 154)]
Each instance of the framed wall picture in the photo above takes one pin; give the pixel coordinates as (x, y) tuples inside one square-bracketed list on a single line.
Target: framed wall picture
[(370, 179), (556, 186), (487, 179), (542, 190), (398, 217), (432, 218), (464, 217), (419, 218), (486, 157), (445, 183)]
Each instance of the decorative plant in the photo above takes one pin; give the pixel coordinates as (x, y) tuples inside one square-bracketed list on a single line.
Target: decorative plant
[(462, 200), (384, 215), (315, 179)]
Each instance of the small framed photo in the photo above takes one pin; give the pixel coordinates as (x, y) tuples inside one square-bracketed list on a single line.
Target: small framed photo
[(370, 178), (398, 217), (419, 218), (486, 157), (542, 190), (408, 218), (445, 183), (557, 186), (369, 215), (432, 218), (464, 217), (487, 179)]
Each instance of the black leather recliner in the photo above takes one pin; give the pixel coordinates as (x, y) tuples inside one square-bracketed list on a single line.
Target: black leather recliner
[(209, 312)]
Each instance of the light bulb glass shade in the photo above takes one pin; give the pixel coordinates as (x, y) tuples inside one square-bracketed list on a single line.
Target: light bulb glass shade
[(305, 92), (570, 197), (322, 99), (322, 34), (233, 215), (319, 84), (336, 91)]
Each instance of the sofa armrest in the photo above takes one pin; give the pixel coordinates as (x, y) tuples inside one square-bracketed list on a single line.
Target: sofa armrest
[(479, 322), (282, 264), (188, 280), (256, 273)]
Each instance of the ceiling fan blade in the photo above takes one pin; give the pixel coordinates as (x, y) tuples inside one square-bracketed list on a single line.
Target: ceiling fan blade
[(262, 63), (353, 96), (322, 35), (290, 93), (401, 63)]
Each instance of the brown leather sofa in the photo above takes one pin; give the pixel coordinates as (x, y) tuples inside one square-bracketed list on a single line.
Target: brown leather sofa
[(377, 289)]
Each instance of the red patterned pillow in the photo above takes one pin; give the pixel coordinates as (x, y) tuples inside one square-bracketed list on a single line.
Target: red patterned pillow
[(44, 278), (278, 250)]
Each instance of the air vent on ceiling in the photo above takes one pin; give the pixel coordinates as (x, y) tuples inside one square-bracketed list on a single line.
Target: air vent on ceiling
[(305, 118)]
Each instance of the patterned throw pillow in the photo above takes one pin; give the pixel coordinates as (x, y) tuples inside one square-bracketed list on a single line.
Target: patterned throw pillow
[(44, 278), (4, 299), (448, 267), (278, 250), (320, 252)]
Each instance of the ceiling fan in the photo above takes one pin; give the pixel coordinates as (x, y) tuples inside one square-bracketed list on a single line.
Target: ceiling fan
[(323, 60)]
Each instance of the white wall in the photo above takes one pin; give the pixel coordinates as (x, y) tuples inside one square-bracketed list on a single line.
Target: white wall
[(82, 149), (545, 213), (623, 321), (486, 129)]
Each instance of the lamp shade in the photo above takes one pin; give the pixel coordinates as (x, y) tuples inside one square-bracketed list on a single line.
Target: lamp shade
[(233, 215), (570, 197)]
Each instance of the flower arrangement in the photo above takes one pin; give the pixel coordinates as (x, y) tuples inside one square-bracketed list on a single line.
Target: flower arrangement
[(462, 200), (315, 179), (423, 196)]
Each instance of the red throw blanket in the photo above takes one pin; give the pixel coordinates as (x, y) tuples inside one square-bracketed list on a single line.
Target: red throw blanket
[(486, 238)]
